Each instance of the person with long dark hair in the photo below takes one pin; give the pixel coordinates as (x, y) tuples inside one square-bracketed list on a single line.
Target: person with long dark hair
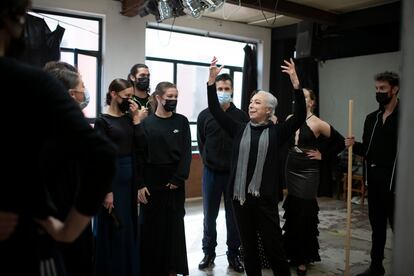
[(117, 223), (253, 174), (306, 149), (167, 156), (139, 76)]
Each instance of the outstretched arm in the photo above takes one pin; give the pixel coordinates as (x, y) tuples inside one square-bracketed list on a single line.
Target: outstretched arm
[(289, 127), (227, 123)]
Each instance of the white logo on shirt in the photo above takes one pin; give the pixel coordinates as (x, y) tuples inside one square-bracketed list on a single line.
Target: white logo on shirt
[(176, 131)]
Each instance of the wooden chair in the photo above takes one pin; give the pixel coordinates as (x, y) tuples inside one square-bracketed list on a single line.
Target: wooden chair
[(358, 182), (358, 186)]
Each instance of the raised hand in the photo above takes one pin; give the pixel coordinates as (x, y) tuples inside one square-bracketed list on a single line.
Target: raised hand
[(289, 68), (214, 71)]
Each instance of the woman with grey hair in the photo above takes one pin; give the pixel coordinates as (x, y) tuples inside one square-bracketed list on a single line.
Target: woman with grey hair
[(253, 178)]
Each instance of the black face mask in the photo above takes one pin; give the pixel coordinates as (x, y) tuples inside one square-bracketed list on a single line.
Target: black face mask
[(142, 83), (382, 98), (124, 106), (170, 105)]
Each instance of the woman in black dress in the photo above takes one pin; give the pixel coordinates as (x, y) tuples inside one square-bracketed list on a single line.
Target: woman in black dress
[(302, 181), (167, 155)]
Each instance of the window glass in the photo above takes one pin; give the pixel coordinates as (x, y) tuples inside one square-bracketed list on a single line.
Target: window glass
[(79, 33), (166, 44), (160, 71)]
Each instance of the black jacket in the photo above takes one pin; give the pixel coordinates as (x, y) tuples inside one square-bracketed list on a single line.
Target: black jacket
[(379, 140), (380, 146), (214, 144), (278, 135)]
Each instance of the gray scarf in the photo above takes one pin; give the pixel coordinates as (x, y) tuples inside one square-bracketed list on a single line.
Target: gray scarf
[(239, 191)]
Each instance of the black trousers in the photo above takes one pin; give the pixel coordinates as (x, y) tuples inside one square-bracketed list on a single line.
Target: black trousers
[(381, 210), (260, 214)]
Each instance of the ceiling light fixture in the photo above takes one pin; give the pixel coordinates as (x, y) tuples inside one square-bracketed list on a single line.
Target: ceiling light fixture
[(164, 10), (194, 7), (213, 4)]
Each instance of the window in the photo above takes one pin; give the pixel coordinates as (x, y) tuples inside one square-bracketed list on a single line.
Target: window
[(184, 59), (81, 46)]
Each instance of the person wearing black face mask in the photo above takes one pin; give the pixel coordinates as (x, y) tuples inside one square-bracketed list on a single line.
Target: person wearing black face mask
[(379, 148), (117, 224), (139, 76), (166, 141)]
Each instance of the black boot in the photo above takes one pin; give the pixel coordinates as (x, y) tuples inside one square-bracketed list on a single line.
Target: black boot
[(235, 263), (207, 261)]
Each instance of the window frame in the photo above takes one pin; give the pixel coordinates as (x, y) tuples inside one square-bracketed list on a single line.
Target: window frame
[(97, 54)]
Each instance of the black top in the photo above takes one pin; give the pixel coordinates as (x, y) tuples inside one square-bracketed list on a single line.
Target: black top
[(167, 141), (120, 130), (214, 144), (143, 102), (306, 139), (379, 140), (42, 110), (278, 135)]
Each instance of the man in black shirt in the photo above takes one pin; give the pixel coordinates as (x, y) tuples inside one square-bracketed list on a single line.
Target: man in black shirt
[(215, 147), (379, 148), (139, 76)]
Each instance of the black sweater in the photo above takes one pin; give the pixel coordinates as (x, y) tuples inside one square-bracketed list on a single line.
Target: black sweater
[(278, 135), (214, 143), (166, 141), (40, 110)]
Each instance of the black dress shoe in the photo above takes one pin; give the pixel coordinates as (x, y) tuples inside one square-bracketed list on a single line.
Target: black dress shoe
[(207, 261), (235, 264), (372, 272)]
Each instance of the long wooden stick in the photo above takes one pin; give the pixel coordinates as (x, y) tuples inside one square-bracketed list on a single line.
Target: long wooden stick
[(349, 194)]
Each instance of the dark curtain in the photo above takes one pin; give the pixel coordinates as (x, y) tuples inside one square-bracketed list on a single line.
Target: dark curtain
[(249, 75), (281, 87), (42, 45)]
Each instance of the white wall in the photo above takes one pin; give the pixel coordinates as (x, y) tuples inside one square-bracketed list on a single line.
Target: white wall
[(352, 78), (124, 37)]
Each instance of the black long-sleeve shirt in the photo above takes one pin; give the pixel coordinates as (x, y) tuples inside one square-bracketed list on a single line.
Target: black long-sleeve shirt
[(167, 141), (38, 109), (278, 135), (214, 143)]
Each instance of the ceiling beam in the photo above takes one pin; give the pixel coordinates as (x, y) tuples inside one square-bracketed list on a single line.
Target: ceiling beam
[(131, 7), (291, 9)]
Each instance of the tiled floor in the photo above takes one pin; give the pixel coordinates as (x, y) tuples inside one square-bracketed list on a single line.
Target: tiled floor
[(332, 229)]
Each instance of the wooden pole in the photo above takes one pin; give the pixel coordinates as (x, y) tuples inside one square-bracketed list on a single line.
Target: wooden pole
[(349, 194)]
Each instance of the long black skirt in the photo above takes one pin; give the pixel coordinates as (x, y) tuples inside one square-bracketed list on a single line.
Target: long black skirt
[(301, 209), (162, 232), (117, 241)]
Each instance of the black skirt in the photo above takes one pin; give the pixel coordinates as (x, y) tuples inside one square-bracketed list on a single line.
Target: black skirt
[(302, 175), (163, 236), (301, 209)]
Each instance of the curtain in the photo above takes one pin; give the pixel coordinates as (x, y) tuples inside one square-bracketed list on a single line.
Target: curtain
[(249, 75)]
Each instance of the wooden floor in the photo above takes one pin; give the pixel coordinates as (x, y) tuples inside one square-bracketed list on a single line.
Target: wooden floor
[(332, 229)]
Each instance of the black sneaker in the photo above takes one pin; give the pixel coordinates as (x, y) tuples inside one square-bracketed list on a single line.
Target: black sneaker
[(207, 261), (235, 264)]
